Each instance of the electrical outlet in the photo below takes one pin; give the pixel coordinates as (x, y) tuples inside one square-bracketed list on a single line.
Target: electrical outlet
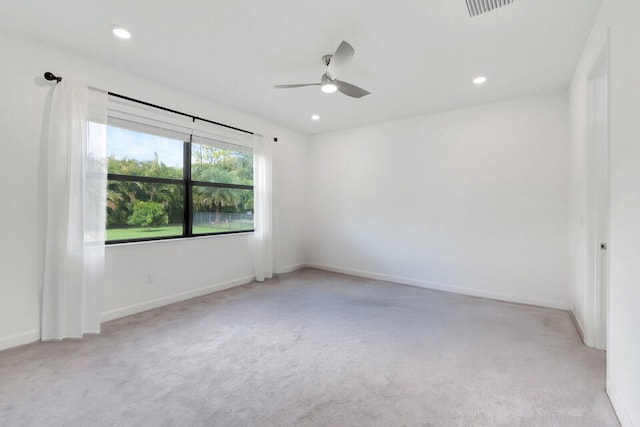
[(147, 278)]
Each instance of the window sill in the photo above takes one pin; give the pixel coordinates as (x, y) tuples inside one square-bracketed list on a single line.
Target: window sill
[(179, 239)]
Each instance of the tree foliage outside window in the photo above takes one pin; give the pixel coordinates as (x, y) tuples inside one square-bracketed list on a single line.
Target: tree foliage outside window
[(146, 198), (148, 214)]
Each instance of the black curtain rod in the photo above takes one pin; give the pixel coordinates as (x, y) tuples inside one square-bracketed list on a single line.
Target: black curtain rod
[(51, 77)]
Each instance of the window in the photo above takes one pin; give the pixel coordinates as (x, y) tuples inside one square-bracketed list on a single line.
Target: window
[(222, 189), (164, 184)]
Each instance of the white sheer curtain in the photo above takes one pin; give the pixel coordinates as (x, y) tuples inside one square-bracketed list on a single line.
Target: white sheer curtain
[(76, 199), (262, 207)]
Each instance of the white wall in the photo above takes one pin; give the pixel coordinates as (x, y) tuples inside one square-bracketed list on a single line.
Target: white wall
[(620, 19), (472, 201), (180, 268)]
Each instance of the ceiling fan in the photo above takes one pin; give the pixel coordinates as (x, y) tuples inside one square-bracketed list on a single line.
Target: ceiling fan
[(336, 64)]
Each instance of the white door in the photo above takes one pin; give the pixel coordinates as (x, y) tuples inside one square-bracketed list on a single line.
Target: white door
[(599, 140)]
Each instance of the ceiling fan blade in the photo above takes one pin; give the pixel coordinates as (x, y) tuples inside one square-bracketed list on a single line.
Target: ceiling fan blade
[(351, 90), (292, 86), (340, 60)]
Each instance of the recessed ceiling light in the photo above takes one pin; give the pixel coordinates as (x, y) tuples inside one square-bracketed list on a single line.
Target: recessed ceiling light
[(329, 88), (315, 117), (121, 32), (479, 80)]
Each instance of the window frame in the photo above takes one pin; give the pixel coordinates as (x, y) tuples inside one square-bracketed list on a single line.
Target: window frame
[(187, 184)]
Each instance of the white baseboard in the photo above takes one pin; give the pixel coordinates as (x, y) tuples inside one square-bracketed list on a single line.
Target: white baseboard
[(34, 335), (445, 287), (20, 339), (623, 416), (577, 325), (159, 302), (290, 269)]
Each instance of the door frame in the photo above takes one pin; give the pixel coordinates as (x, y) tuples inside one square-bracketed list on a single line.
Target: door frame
[(598, 141)]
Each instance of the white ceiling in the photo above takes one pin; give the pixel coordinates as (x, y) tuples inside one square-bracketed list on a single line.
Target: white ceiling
[(414, 56)]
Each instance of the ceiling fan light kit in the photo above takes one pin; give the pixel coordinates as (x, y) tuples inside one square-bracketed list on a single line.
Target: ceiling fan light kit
[(328, 87), (336, 64)]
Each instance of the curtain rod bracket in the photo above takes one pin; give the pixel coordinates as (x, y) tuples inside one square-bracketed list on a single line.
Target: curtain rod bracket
[(51, 77)]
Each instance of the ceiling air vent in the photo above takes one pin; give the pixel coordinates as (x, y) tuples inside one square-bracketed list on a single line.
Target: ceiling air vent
[(478, 7)]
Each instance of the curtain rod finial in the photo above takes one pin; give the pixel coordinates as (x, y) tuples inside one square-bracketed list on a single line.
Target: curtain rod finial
[(51, 77)]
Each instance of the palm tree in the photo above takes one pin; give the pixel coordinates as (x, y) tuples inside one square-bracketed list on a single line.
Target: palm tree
[(121, 195), (216, 197)]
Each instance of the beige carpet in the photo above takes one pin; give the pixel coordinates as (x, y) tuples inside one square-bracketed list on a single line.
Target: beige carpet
[(315, 349)]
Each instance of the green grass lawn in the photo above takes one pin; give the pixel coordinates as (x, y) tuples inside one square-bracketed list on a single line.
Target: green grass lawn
[(171, 230)]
